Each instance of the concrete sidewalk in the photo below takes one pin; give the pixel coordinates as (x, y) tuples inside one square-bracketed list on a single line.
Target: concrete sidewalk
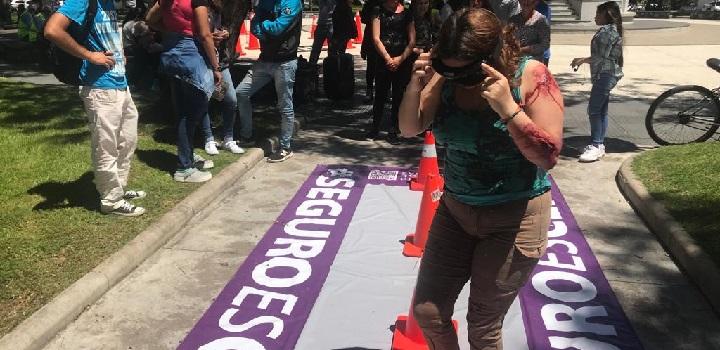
[(161, 300)]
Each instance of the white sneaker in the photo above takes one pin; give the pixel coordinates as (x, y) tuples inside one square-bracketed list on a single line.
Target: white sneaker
[(211, 148), (124, 208), (233, 147), (192, 175), (592, 153), (202, 163)]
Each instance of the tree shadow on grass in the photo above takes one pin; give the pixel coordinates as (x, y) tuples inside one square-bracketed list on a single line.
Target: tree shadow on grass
[(158, 159), (59, 195)]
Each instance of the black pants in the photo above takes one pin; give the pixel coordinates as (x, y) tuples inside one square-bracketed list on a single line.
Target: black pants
[(384, 79), (338, 45)]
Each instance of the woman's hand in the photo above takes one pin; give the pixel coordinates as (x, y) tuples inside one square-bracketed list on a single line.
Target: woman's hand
[(496, 90), (421, 74), (390, 64), (577, 61), (217, 77)]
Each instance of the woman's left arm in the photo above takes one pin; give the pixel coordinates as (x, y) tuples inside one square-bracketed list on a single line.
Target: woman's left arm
[(411, 42), (537, 126)]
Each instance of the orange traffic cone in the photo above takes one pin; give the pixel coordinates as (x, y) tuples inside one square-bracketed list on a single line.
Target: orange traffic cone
[(238, 47), (253, 42), (415, 242), (358, 27), (428, 163), (325, 43), (349, 45), (313, 27), (243, 31), (408, 335)]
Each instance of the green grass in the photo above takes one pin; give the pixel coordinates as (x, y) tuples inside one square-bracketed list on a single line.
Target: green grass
[(687, 181), (51, 232)]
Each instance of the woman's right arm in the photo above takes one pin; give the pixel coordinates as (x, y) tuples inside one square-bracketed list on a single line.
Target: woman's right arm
[(379, 47), (420, 102), (154, 18), (202, 24)]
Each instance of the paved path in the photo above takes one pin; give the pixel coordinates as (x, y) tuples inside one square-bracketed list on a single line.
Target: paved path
[(159, 302)]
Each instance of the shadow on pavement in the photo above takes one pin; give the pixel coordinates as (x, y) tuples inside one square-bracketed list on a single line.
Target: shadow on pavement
[(58, 195), (573, 146)]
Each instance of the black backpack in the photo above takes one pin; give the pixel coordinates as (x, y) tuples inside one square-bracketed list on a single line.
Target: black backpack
[(66, 67)]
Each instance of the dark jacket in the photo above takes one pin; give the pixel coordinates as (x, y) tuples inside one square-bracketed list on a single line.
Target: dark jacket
[(343, 21), (277, 25)]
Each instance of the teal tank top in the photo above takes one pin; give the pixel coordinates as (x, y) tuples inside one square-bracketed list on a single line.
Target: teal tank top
[(482, 164)]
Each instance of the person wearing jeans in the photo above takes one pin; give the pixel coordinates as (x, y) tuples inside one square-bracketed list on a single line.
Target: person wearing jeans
[(112, 116), (606, 61), (277, 25), (191, 60)]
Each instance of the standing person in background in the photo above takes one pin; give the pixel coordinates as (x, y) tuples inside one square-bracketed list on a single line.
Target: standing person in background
[(112, 116), (367, 48), (191, 60), (277, 24), (606, 62), (504, 9), (343, 27), (531, 30), (324, 29), (501, 120), (545, 10), (27, 30), (227, 96), (424, 27), (394, 38)]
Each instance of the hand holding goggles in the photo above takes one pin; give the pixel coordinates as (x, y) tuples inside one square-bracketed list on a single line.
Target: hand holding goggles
[(467, 75)]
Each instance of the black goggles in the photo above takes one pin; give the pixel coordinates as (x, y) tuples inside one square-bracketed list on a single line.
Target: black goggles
[(467, 75)]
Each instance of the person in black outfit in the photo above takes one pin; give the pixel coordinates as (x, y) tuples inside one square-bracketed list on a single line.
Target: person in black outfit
[(343, 27), (393, 32)]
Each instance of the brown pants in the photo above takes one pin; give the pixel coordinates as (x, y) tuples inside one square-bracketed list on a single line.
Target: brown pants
[(496, 247)]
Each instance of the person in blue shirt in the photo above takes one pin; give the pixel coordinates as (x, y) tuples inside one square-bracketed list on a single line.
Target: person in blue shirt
[(277, 25), (111, 112)]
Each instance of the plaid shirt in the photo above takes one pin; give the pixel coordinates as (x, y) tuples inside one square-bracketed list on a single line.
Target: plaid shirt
[(605, 52)]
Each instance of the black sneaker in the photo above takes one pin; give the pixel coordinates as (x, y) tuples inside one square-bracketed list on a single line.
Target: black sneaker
[(372, 135), (126, 209), (280, 156), (392, 138), (131, 194)]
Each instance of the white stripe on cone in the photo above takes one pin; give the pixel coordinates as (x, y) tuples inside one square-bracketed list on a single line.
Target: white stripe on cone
[(429, 151)]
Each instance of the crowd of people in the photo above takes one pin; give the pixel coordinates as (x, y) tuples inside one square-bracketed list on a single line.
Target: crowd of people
[(475, 72)]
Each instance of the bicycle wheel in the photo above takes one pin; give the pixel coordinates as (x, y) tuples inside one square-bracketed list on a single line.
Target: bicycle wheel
[(683, 115)]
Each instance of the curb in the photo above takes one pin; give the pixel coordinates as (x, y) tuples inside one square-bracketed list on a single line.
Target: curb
[(693, 260), (38, 329)]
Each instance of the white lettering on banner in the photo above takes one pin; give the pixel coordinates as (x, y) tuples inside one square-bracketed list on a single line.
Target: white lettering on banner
[(572, 318), (302, 268), (587, 290), (552, 259), (578, 319), (328, 193), (267, 297), (232, 343), (292, 229), (289, 254), (322, 181), (295, 248), (309, 208), (559, 229), (580, 344), (226, 325)]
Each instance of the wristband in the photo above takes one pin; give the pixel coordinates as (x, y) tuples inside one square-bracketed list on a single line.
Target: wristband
[(517, 111)]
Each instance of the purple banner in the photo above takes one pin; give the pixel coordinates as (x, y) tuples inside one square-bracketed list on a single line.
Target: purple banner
[(568, 303), (265, 305)]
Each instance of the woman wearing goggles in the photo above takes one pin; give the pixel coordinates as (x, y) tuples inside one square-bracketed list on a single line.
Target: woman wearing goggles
[(500, 118)]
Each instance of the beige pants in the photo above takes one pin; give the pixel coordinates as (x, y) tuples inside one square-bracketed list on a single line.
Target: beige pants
[(495, 247), (112, 120)]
